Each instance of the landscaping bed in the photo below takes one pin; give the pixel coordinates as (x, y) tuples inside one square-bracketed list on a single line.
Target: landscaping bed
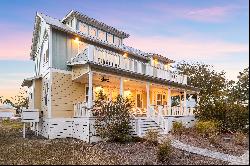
[(223, 142), (37, 150)]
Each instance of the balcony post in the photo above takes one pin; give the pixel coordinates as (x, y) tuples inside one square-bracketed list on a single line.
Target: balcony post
[(185, 102), (91, 53), (169, 101), (148, 98), (121, 86), (90, 92)]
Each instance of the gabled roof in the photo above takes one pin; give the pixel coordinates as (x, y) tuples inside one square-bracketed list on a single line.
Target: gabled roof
[(28, 81), (95, 23), (59, 25)]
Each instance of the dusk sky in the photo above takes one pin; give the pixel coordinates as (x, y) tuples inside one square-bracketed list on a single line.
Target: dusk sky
[(215, 32)]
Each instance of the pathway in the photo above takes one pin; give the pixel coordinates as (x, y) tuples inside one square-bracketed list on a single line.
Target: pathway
[(233, 160)]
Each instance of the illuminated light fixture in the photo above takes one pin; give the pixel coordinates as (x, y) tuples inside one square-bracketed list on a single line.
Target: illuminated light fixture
[(76, 40), (156, 61), (125, 55), (127, 93), (98, 89), (125, 80)]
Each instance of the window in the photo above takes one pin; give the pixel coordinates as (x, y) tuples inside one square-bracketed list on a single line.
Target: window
[(109, 38), (102, 35), (86, 94), (46, 90), (159, 99), (92, 31), (117, 40), (139, 100), (83, 27)]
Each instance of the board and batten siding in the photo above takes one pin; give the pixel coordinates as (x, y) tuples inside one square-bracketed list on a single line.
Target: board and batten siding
[(64, 94), (38, 94), (63, 49)]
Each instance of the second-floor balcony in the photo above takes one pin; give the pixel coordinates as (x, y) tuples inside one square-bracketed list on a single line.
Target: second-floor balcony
[(111, 59)]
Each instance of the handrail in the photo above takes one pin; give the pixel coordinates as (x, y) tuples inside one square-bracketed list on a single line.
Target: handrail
[(109, 58)]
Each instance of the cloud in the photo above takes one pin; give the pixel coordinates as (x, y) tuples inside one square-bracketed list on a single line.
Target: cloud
[(201, 14), (182, 48), (221, 54)]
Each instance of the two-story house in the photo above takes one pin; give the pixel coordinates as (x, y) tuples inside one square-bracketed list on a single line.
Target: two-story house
[(78, 56)]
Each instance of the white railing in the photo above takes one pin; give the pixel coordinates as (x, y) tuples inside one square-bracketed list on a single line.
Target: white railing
[(81, 110), (112, 59)]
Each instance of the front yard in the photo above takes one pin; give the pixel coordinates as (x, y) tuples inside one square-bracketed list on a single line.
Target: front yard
[(37, 150)]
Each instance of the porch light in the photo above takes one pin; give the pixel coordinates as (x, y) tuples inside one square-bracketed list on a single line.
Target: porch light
[(98, 89), (76, 39), (127, 93), (125, 55), (156, 61)]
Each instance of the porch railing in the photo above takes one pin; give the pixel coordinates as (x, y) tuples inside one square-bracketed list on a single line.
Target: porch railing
[(81, 110), (112, 59)]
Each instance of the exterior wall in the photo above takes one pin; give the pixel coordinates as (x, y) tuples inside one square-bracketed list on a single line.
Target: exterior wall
[(37, 94), (63, 49), (64, 93), (77, 71), (45, 87)]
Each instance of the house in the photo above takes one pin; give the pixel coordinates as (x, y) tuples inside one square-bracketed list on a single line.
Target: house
[(7, 111), (78, 56)]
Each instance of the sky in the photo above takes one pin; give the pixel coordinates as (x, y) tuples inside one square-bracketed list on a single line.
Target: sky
[(214, 32)]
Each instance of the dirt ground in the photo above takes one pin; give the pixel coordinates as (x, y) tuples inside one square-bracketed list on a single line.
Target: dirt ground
[(224, 142), (37, 150)]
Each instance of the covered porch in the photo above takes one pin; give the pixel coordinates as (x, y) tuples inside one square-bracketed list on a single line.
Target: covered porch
[(151, 100)]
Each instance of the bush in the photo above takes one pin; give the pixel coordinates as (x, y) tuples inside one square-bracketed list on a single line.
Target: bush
[(164, 151), (239, 138), (178, 127), (232, 117), (207, 128), (152, 136), (113, 118)]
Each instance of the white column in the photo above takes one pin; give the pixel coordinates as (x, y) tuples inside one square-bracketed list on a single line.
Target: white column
[(169, 101), (91, 53), (185, 102), (181, 105), (24, 130), (121, 86), (148, 97), (90, 92)]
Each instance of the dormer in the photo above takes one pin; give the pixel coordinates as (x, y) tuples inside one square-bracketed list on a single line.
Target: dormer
[(92, 27)]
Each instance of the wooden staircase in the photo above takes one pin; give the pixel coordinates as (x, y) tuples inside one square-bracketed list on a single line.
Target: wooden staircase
[(141, 125)]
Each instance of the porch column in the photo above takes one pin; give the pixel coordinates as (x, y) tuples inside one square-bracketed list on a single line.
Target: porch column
[(181, 110), (185, 102), (148, 97), (169, 101), (90, 92), (121, 86)]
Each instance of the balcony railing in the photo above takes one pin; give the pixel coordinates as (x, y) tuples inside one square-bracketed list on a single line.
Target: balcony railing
[(112, 59)]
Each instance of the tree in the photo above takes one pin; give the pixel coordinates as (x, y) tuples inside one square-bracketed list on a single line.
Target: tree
[(220, 99), (212, 84), (19, 101)]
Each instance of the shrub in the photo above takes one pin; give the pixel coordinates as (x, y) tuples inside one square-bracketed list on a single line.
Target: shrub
[(207, 128), (113, 118), (239, 138), (152, 136), (164, 151), (232, 117), (178, 127)]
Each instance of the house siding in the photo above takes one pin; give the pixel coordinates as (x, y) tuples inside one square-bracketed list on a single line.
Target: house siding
[(65, 93)]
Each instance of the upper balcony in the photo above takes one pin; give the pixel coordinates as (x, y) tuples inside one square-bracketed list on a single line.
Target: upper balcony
[(111, 59)]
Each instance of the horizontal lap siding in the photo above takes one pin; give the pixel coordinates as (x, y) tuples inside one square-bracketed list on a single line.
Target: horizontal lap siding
[(64, 94)]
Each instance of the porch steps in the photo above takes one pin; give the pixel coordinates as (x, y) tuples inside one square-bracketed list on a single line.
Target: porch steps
[(146, 125)]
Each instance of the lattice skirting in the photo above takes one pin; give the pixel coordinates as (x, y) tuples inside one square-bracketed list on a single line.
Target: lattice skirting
[(187, 121), (79, 128)]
